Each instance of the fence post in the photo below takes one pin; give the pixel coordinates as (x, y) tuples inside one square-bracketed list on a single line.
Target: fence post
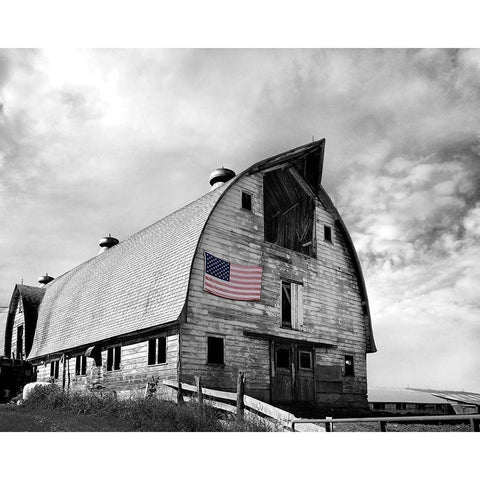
[(198, 382), (382, 426), (179, 393), (474, 424), (328, 425), (240, 393)]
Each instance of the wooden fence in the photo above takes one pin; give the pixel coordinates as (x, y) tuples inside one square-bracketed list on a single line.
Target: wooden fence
[(240, 404), (473, 419)]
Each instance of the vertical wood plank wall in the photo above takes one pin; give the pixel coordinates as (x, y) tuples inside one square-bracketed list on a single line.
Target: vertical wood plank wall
[(331, 300), (18, 321)]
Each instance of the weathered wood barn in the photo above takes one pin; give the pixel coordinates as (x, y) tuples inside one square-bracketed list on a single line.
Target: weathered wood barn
[(173, 302)]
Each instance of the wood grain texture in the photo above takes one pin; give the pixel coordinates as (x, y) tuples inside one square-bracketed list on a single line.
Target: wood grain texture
[(332, 309)]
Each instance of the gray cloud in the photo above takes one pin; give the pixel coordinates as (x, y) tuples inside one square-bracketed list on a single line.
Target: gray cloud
[(109, 141)]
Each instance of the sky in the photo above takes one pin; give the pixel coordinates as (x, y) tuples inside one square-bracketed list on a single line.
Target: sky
[(110, 140)]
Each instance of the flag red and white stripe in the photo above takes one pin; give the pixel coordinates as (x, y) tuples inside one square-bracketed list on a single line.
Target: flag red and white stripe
[(229, 280)]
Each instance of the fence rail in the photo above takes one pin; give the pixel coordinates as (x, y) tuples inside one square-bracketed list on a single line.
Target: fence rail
[(239, 403), (474, 420)]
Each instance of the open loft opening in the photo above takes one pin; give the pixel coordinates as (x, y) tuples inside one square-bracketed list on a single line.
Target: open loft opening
[(289, 190)]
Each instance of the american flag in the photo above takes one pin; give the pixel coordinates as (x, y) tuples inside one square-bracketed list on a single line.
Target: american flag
[(238, 282)]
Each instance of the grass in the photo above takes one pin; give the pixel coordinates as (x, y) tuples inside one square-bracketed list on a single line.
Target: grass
[(78, 411)]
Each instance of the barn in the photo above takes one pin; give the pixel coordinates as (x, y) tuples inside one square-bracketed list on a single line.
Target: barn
[(258, 275)]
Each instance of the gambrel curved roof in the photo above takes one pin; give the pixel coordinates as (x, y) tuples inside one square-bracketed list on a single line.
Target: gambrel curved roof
[(143, 281), (31, 298)]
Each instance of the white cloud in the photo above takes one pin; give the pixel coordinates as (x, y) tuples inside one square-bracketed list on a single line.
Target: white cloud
[(99, 141)]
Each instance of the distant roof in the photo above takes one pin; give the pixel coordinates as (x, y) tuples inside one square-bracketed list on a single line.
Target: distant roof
[(3, 328), (140, 283), (31, 295), (401, 395), (454, 395)]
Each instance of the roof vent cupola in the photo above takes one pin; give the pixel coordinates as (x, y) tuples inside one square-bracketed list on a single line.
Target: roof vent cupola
[(106, 242), (220, 176), (44, 279)]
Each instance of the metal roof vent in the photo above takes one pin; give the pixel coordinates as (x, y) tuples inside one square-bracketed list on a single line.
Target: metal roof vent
[(220, 176), (44, 279), (106, 242)]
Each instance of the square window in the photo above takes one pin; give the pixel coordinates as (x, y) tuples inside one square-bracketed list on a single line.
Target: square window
[(54, 367), (349, 371), (247, 201), (117, 358), (81, 365), (162, 350), (327, 233), (157, 350), (291, 304), (20, 342), (113, 358), (215, 354), (286, 304), (305, 360), (283, 358), (152, 351)]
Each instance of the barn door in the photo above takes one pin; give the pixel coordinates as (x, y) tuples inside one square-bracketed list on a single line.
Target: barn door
[(293, 374), (304, 376), (282, 381)]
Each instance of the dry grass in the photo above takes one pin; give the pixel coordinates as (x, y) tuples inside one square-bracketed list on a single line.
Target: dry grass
[(152, 415)]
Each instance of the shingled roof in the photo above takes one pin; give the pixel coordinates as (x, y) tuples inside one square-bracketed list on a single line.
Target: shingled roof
[(140, 283), (31, 296)]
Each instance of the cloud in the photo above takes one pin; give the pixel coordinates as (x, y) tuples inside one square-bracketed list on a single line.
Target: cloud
[(109, 141)]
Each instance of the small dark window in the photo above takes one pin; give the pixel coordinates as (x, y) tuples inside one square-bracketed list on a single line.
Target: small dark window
[(286, 304), (117, 358), (152, 350), (283, 358), (20, 342), (379, 406), (349, 372), (113, 358), (157, 351), (81, 365), (400, 406), (215, 351), (305, 360), (327, 233), (247, 201), (109, 359), (54, 366)]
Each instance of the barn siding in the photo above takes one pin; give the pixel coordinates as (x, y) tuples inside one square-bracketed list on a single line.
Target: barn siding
[(332, 304), (17, 322), (132, 377)]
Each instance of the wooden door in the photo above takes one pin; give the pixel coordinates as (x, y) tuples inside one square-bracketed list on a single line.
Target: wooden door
[(304, 374), (282, 381)]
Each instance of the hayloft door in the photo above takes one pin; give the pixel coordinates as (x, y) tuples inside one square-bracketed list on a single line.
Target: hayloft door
[(282, 384)]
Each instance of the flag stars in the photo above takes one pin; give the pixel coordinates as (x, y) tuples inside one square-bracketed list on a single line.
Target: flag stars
[(217, 267)]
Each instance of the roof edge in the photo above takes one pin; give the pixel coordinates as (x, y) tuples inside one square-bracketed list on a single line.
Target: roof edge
[(328, 203)]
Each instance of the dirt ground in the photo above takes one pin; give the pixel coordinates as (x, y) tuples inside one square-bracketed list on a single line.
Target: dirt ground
[(16, 419)]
